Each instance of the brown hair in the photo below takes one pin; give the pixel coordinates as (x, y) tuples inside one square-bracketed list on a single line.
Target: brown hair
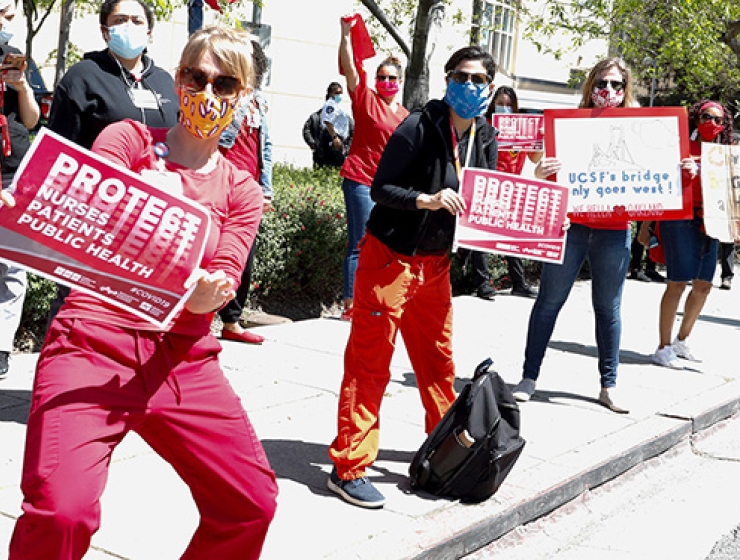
[(391, 61), (593, 76), (725, 137), (232, 49)]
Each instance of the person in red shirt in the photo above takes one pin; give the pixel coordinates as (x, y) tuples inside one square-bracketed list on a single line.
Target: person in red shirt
[(377, 113), (247, 144), (690, 254), (504, 101), (104, 372)]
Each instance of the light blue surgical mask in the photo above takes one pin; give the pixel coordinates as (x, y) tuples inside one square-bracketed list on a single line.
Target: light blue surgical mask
[(5, 36), (504, 109), (468, 100), (128, 40), (337, 98)]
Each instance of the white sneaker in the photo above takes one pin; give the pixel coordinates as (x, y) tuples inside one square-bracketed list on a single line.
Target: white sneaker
[(682, 350), (666, 357), (524, 390)]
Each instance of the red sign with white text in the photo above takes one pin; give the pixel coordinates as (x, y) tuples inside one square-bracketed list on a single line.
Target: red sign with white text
[(512, 215), (519, 132), (92, 225)]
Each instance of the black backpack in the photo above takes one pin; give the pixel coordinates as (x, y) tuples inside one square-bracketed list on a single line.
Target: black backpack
[(472, 449)]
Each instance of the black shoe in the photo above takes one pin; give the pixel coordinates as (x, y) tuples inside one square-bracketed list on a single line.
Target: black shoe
[(486, 291), (4, 365), (639, 275), (655, 276), (726, 284), (524, 291)]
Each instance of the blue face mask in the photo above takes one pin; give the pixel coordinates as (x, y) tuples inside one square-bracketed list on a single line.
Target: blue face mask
[(337, 98), (504, 109), (5, 36), (128, 40), (467, 100)]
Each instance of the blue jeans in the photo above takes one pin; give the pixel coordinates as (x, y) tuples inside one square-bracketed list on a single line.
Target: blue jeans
[(608, 252), (358, 204)]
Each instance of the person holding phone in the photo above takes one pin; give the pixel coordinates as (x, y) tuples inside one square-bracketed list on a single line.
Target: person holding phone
[(19, 112)]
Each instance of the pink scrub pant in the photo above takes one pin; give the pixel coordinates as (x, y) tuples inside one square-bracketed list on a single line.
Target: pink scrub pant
[(94, 383), (393, 292)]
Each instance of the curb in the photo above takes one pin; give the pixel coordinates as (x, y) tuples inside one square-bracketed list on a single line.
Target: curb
[(483, 533)]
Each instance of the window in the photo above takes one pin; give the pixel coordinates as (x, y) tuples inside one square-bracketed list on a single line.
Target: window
[(497, 30)]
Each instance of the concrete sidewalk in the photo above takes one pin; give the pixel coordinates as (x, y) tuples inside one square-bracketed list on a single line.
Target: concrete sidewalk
[(289, 386)]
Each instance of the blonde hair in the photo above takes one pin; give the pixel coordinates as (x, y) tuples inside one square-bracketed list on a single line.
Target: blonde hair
[(593, 76), (232, 49)]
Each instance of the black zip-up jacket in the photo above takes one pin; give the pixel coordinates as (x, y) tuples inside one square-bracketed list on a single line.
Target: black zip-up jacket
[(95, 92), (419, 159)]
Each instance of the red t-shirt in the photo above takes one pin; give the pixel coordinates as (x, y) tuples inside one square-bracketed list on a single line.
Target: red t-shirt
[(374, 124), (235, 202), (244, 152), (511, 161), (695, 182)]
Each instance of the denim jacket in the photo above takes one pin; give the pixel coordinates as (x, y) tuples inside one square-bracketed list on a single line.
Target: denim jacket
[(228, 138)]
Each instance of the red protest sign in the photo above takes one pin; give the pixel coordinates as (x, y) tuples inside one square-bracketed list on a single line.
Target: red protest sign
[(520, 132), (512, 215), (92, 225), (621, 163)]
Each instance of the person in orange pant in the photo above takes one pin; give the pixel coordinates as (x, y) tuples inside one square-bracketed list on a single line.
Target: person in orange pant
[(403, 274)]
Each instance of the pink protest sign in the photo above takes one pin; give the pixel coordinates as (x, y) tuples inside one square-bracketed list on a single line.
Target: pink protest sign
[(512, 215), (520, 132), (92, 225)]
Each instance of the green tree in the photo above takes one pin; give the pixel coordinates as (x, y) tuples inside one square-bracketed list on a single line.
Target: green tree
[(691, 45), (426, 17), (36, 13)]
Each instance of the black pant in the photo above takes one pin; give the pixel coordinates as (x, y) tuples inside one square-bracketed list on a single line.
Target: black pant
[(233, 310), (637, 250), (479, 267), (727, 259)]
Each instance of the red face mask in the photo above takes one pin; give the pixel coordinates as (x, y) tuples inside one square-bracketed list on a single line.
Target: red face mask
[(386, 88), (709, 130)]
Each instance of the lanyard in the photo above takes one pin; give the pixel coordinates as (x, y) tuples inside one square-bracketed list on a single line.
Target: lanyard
[(456, 150)]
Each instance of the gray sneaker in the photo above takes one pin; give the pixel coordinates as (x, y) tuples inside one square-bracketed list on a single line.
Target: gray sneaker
[(359, 492), (524, 390)]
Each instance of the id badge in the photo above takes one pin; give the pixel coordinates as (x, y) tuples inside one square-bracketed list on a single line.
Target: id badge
[(167, 181), (143, 98)]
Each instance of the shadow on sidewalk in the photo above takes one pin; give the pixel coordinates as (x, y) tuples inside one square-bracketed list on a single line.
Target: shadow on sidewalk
[(308, 463), (15, 405)]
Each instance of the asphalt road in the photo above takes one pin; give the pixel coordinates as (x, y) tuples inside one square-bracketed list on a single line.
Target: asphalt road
[(681, 505)]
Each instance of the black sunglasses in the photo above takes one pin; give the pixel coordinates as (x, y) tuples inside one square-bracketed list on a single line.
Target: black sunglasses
[(617, 85), (386, 78), (195, 80), (708, 117), (461, 77)]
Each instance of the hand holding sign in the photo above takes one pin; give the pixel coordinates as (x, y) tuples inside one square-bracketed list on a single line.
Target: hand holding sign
[(212, 291)]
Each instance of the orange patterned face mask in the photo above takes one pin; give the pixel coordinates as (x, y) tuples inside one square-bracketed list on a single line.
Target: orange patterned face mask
[(204, 115)]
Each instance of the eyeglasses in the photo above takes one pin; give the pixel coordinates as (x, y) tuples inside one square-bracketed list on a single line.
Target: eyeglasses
[(616, 85), (708, 117), (386, 78), (463, 77), (195, 80)]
